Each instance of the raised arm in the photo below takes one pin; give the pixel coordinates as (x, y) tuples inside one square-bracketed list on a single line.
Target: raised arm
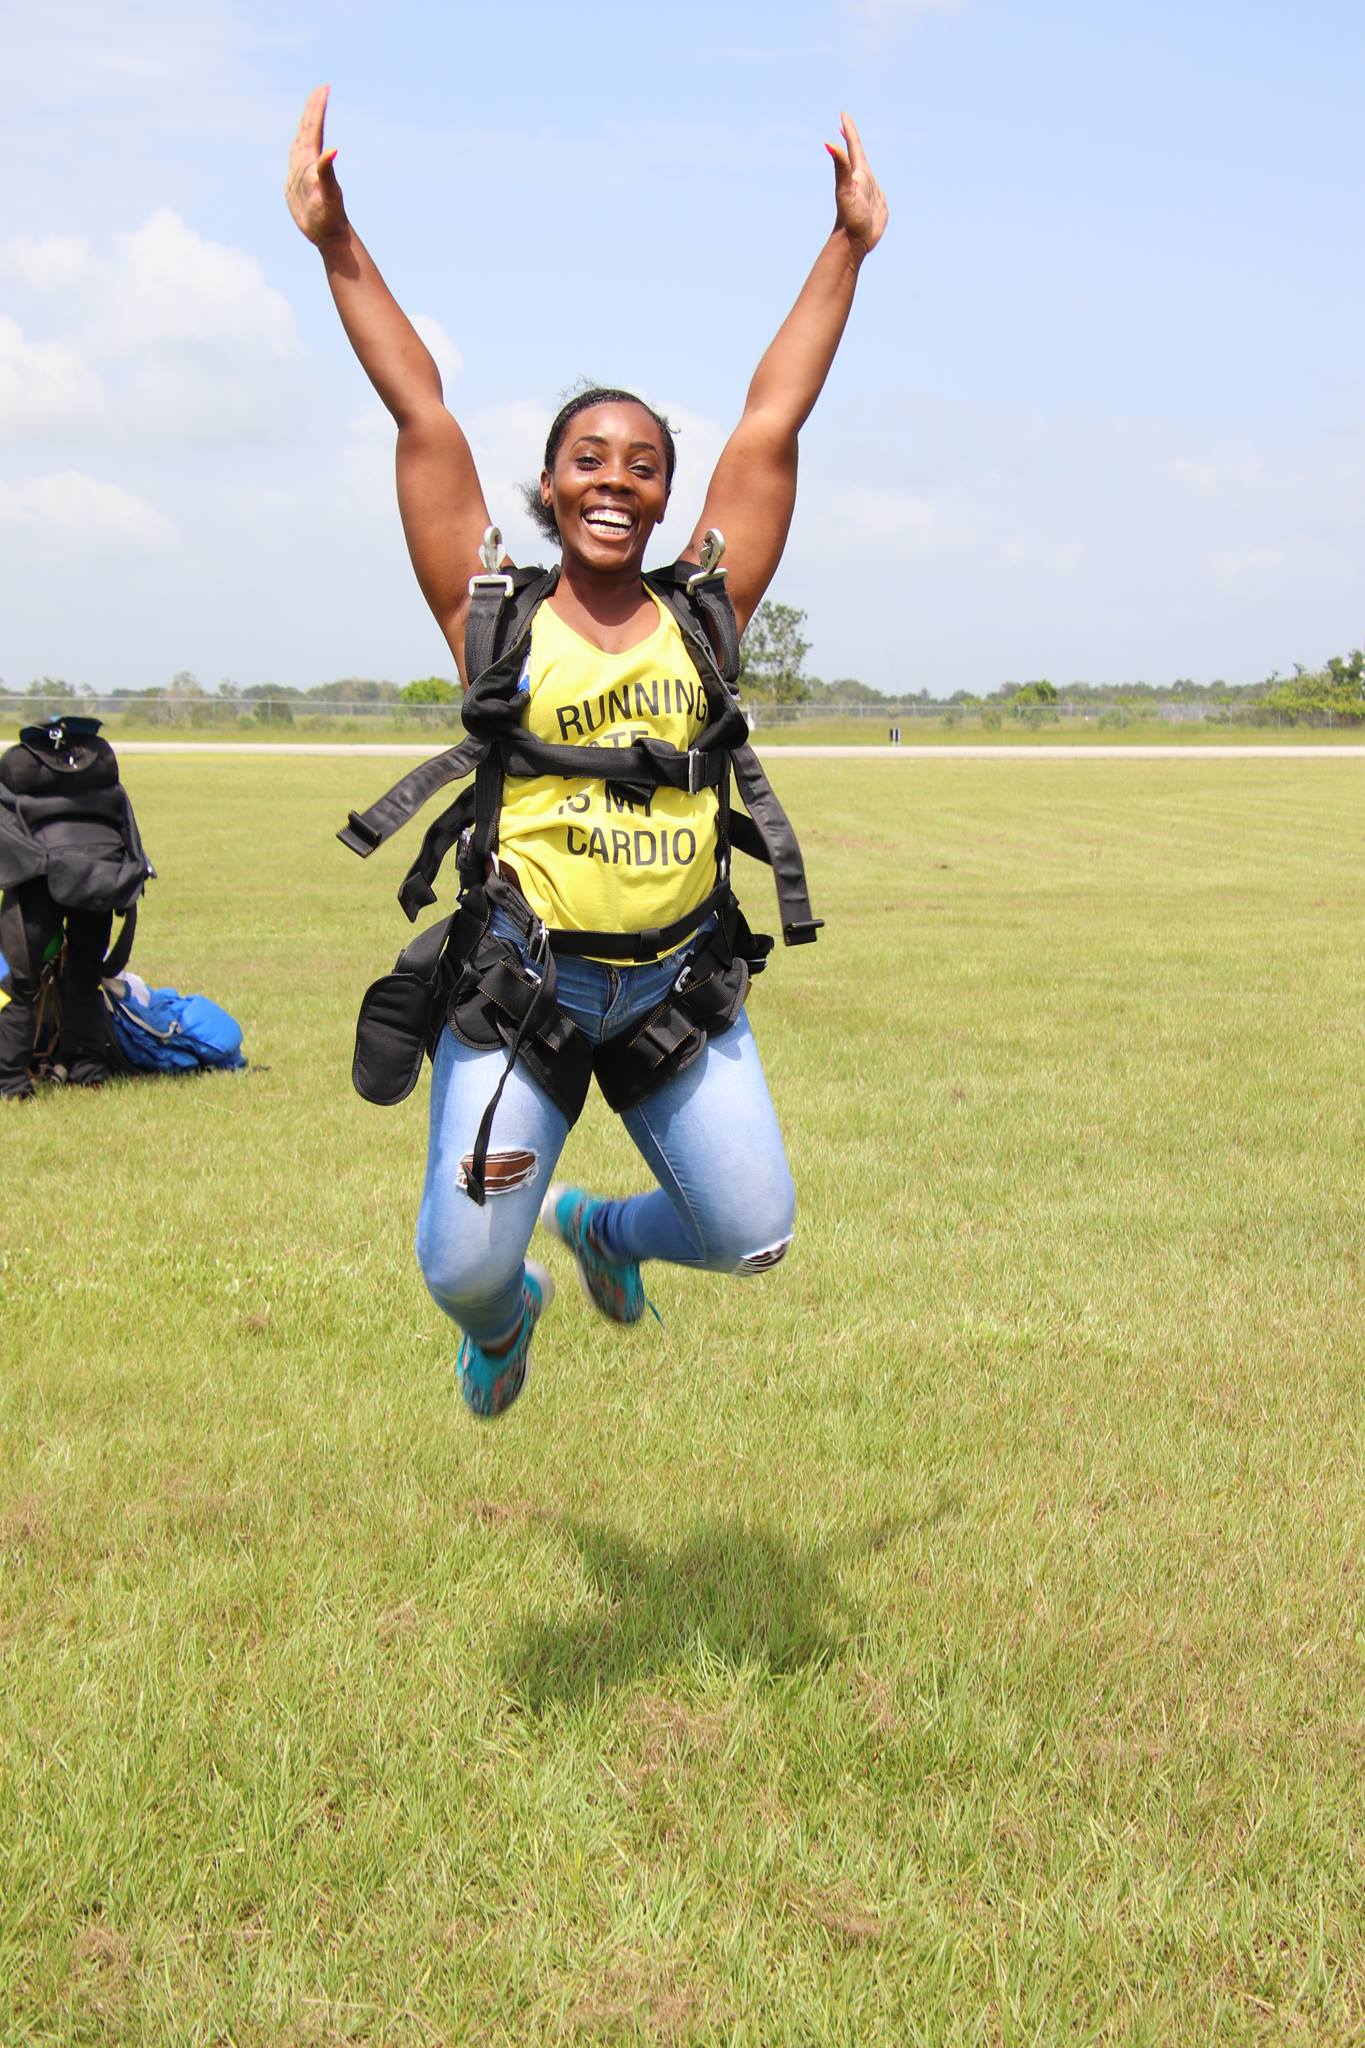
[(753, 491), (440, 497)]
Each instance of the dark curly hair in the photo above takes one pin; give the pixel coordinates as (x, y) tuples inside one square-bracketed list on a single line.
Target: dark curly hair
[(581, 401)]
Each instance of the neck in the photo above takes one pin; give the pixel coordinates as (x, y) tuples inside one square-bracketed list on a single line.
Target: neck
[(611, 596)]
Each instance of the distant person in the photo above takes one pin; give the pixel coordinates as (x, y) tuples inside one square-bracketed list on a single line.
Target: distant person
[(70, 858), (612, 897)]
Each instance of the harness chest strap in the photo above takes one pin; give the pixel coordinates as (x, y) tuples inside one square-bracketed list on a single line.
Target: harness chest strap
[(366, 830)]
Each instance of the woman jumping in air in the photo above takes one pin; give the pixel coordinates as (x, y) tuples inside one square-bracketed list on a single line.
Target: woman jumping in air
[(596, 928)]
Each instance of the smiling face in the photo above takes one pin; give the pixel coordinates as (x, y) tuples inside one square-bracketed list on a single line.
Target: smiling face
[(608, 488)]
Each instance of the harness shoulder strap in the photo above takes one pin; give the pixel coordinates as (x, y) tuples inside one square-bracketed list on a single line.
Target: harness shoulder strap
[(701, 600), (500, 608)]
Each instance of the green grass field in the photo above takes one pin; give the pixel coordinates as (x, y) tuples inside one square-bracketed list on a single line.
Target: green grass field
[(430, 729), (957, 1636)]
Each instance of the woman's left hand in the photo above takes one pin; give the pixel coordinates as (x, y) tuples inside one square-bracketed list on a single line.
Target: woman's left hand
[(859, 207)]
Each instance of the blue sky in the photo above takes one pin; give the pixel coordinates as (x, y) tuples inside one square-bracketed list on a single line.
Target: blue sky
[(1100, 412)]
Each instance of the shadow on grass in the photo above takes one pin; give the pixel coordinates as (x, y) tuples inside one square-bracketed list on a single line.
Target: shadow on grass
[(742, 1596)]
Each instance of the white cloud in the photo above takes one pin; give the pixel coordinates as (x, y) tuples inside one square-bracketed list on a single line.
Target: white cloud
[(1045, 557), (168, 286), (366, 475), (889, 14), (174, 68), (509, 446), (700, 441), (46, 387), (197, 345), (51, 261), (71, 514), (1219, 474), (1232, 568), (871, 518)]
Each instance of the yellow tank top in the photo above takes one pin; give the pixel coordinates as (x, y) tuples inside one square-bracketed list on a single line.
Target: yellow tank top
[(588, 858)]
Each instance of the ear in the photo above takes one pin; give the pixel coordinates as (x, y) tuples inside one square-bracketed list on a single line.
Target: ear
[(546, 495)]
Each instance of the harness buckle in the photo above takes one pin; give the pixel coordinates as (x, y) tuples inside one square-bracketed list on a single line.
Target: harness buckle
[(360, 836), (538, 940), (490, 554), (694, 770), (801, 931), (712, 548)]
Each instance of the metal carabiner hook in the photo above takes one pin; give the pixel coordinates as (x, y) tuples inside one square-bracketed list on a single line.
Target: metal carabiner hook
[(712, 548), (490, 554)]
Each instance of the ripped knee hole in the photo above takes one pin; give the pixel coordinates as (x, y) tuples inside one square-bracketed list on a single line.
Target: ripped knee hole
[(759, 1262), (503, 1171)]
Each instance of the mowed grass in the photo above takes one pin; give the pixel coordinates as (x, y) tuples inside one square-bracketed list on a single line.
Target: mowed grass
[(955, 1636), (842, 730)]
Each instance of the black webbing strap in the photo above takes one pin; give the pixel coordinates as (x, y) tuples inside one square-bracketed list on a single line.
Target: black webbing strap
[(487, 806), (647, 764), (416, 890), (365, 830), (499, 608), (708, 598), (712, 600), (799, 925), (645, 945), (116, 959), (540, 1010), (487, 596)]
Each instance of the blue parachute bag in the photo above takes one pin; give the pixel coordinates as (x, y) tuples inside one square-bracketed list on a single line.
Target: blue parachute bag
[(171, 1033)]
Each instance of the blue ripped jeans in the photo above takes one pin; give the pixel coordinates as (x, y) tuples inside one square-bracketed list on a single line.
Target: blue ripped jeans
[(724, 1200)]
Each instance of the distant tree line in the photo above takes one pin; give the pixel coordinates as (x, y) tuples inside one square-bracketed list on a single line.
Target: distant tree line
[(772, 671), (185, 698), (1336, 691)]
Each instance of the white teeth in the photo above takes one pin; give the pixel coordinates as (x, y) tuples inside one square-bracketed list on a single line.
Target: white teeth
[(620, 522)]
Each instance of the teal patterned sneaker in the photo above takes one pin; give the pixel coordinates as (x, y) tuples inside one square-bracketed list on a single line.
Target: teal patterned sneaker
[(612, 1286), (491, 1380)]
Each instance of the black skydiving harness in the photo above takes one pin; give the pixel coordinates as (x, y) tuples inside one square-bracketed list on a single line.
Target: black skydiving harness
[(65, 819), (458, 972)]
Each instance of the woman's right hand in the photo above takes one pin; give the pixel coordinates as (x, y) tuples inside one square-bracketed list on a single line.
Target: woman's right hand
[(311, 188)]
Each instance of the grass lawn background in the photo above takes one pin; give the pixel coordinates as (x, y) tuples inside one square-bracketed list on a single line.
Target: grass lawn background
[(427, 729), (956, 1636)]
